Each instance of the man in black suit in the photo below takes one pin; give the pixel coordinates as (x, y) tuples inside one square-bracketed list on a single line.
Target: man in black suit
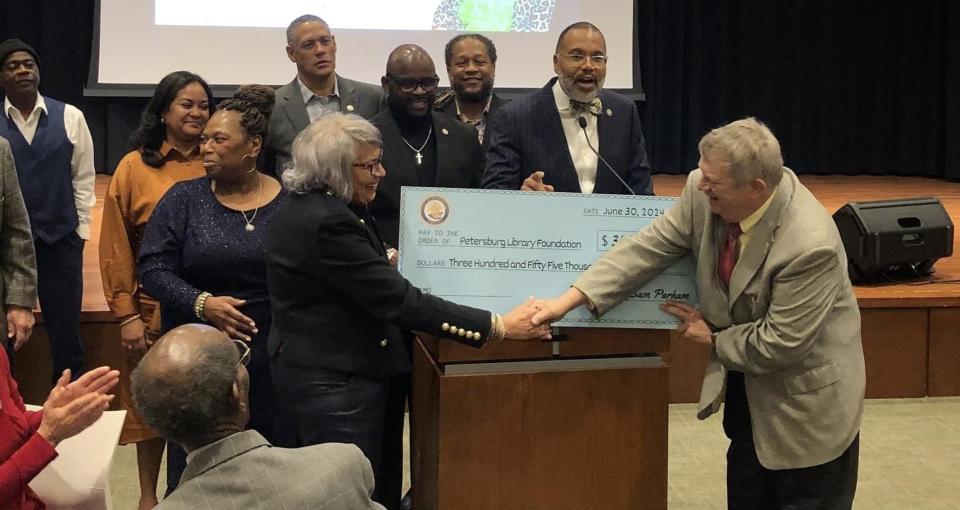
[(420, 147), (471, 67), (539, 142), (317, 89)]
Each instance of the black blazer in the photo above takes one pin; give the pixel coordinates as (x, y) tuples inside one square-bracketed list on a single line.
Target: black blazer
[(459, 165), (525, 135), (337, 303)]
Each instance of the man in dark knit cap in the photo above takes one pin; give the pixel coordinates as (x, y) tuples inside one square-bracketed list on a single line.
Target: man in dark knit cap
[(53, 153)]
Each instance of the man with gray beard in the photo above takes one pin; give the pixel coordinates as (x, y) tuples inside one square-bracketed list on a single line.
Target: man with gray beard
[(559, 137)]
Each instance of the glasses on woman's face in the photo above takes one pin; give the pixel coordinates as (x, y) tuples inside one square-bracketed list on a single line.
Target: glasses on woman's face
[(410, 84), (244, 350), (372, 165)]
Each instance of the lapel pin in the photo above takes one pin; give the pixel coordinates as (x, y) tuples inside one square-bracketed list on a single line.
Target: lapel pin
[(444, 131), (349, 107), (609, 112)]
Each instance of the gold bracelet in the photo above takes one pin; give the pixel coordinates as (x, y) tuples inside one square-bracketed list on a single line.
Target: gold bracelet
[(128, 320), (199, 304), (497, 328)]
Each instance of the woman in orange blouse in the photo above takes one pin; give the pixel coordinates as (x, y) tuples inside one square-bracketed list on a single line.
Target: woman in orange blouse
[(166, 151)]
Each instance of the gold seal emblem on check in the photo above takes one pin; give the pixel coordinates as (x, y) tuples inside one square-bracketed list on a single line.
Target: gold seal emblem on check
[(434, 210)]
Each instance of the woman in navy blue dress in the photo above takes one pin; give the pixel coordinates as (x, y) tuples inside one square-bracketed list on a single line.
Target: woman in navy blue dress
[(203, 254)]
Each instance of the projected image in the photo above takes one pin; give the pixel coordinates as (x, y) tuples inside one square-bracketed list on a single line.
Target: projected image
[(494, 15), (230, 42), (474, 15)]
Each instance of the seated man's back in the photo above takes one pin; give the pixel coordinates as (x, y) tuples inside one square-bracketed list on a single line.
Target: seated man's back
[(192, 387), (245, 471)]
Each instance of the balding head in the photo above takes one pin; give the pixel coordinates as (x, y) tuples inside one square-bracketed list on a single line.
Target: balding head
[(410, 82), (190, 387), (407, 56)]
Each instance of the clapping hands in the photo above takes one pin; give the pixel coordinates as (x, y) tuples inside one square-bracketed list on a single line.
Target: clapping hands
[(74, 406)]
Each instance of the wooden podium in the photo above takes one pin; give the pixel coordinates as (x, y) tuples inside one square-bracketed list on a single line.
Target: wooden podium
[(577, 424)]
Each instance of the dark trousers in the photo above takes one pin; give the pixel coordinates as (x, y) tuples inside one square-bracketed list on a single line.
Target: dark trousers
[(60, 289), (829, 486), (327, 406)]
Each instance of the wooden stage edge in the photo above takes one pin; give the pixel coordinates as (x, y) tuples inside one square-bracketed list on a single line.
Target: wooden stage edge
[(911, 333)]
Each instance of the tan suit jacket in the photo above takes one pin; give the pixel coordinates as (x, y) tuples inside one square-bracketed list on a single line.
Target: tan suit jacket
[(790, 321), (18, 265)]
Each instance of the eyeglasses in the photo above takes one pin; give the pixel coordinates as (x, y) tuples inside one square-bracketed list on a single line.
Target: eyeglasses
[(580, 58), (244, 350), (410, 84), (370, 166)]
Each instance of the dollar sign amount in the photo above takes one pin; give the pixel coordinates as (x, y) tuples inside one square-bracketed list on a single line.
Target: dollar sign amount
[(608, 240)]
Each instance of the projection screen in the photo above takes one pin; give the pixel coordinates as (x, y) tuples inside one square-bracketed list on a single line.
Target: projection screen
[(230, 43)]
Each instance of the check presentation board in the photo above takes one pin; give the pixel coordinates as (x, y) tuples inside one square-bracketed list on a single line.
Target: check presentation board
[(492, 249)]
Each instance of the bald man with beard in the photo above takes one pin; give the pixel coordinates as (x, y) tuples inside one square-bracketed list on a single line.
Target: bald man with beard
[(191, 386), (420, 147)]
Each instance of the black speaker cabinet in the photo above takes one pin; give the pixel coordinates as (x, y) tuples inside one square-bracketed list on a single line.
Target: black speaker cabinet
[(894, 237)]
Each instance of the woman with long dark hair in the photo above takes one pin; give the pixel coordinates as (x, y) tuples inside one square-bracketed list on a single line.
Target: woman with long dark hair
[(165, 150)]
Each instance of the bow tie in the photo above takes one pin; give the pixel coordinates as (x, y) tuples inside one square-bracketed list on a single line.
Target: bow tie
[(593, 106)]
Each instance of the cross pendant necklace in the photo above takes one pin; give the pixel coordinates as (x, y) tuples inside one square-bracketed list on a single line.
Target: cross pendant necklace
[(417, 151)]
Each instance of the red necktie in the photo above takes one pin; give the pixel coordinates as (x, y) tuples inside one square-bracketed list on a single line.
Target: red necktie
[(728, 257)]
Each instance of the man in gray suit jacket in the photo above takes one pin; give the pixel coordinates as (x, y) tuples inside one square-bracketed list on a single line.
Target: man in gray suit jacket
[(777, 308), (192, 387), (316, 90), (18, 265)]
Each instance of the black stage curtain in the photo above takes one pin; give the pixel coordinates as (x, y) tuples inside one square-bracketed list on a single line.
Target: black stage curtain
[(848, 87), (62, 33)]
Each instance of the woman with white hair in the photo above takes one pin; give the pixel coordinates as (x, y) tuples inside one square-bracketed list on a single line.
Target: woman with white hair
[(339, 305)]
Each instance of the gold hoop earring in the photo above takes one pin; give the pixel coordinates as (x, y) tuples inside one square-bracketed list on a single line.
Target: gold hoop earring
[(253, 167)]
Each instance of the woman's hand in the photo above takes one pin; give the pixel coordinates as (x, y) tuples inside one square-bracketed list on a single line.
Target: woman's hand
[(132, 336), (518, 323), (74, 406), (553, 309), (393, 256), (223, 313)]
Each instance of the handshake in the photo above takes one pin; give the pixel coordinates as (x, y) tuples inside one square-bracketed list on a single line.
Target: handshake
[(531, 320)]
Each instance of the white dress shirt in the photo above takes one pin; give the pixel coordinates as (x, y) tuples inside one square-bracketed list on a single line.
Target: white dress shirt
[(82, 171), (584, 159)]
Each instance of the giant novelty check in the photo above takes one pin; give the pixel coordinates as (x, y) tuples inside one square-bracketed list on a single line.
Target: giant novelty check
[(493, 249)]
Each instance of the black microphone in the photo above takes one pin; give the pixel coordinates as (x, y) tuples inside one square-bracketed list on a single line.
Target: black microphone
[(583, 125)]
